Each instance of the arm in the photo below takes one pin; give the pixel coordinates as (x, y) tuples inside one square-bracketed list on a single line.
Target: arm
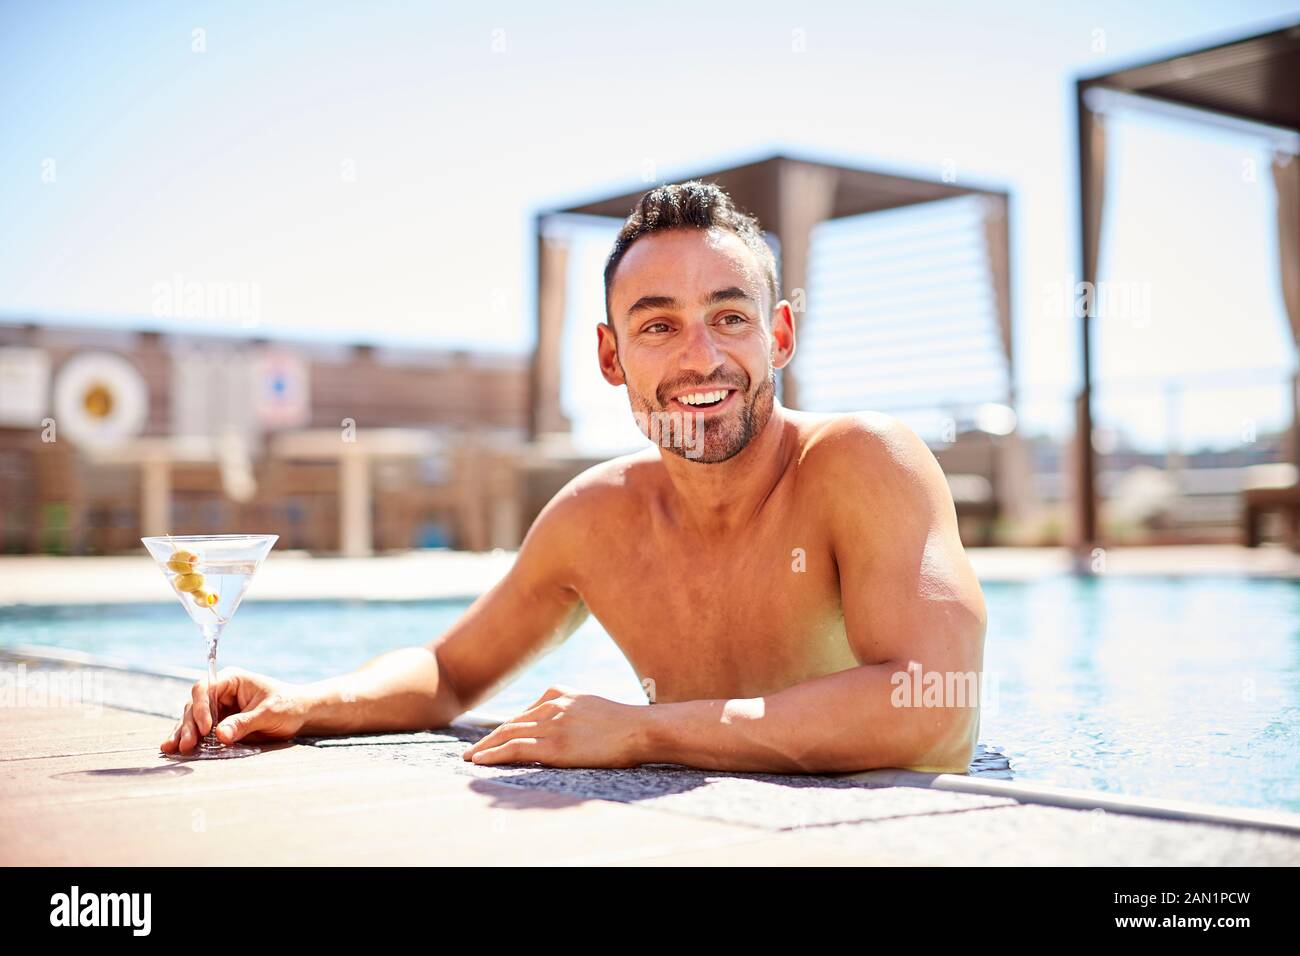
[(911, 603), (415, 688)]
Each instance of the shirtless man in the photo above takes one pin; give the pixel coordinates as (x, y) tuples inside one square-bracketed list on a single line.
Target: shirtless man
[(786, 580)]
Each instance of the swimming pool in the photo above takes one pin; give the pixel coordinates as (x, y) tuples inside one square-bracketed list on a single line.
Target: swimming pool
[(1174, 687)]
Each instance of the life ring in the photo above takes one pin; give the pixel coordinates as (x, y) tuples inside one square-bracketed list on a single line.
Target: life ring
[(100, 400)]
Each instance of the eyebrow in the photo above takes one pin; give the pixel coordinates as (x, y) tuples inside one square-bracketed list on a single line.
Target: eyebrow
[(649, 303)]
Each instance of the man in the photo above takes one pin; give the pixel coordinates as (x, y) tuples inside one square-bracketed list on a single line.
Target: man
[(785, 582)]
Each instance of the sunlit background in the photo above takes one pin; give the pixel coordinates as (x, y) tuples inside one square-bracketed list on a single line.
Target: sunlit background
[(332, 271), (339, 175)]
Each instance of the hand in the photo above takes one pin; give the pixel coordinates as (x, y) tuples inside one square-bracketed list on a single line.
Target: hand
[(254, 706), (567, 729)]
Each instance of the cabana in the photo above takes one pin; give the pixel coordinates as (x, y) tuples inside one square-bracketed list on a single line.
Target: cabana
[(1250, 85)]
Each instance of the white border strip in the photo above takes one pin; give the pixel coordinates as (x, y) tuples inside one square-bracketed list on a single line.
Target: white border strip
[(1084, 799)]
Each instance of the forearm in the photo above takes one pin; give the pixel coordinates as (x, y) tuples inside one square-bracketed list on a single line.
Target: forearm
[(399, 690), (841, 722)]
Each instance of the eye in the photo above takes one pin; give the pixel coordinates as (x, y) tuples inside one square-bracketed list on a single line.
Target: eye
[(734, 315), (653, 326)]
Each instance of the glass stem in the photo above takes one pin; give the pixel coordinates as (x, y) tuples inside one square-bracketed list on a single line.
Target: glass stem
[(211, 739)]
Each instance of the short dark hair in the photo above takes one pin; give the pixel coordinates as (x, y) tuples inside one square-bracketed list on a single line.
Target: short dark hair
[(690, 205)]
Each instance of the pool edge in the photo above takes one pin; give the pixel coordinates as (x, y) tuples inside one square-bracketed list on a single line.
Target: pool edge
[(1073, 799), (1024, 793)]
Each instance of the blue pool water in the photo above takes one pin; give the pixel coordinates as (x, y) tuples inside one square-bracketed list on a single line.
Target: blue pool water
[(1178, 687)]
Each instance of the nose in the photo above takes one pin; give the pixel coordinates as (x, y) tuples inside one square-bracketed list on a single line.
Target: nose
[(700, 353)]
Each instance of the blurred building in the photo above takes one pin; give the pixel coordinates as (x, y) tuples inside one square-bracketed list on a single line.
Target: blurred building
[(109, 435)]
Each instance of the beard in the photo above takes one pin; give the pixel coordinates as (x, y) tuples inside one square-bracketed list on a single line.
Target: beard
[(712, 439)]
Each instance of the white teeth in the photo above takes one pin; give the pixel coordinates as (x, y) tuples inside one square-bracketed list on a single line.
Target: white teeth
[(702, 398)]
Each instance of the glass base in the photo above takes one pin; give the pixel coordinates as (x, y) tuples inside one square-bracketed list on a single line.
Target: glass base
[(210, 748)]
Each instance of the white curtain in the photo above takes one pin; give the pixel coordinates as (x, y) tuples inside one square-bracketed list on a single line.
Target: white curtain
[(1286, 178)]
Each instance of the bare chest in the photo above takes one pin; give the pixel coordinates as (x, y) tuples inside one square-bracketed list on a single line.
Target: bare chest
[(734, 618)]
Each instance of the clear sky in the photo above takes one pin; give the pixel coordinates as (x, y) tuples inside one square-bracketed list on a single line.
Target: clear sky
[(372, 169)]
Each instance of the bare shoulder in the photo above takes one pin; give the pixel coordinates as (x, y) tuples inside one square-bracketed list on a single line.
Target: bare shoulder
[(869, 450), (888, 506), (567, 532), (598, 494)]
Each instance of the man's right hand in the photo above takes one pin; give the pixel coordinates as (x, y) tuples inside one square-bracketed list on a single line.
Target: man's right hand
[(249, 705)]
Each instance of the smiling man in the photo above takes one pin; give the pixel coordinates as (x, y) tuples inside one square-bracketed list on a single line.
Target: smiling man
[(785, 582)]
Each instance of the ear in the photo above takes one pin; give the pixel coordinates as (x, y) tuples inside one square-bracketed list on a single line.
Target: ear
[(607, 354), (782, 334)]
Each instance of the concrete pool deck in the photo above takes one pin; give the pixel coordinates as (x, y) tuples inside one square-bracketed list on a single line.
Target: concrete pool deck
[(432, 575), (83, 783)]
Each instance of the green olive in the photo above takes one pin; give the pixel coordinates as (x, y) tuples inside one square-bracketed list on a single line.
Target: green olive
[(189, 582), (204, 598), (179, 566)]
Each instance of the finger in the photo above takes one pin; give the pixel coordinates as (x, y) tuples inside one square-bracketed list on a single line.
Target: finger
[(555, 690), (537, 714), (500, 735), (228, 689), (201, 711), (169, 745), (175, 734), (229, 686), (240, 725), (515, 750), (189, 736), (539, 710)]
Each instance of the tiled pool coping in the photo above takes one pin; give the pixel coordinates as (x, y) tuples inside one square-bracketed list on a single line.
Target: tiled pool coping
[(897, 810)]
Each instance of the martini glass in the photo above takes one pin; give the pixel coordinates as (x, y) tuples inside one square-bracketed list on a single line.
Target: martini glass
[(210, 573)]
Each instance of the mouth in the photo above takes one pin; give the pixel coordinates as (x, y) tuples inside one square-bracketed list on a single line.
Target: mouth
[(703, 400)]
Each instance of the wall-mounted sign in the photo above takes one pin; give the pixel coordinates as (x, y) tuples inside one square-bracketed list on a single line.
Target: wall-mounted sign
[(283, 389), (24, 386)]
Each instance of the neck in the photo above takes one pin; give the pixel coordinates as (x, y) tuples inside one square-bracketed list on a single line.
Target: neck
[(715, 499)]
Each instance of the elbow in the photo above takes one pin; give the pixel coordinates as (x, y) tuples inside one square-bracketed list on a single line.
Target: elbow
[(937, 741), (447, 701), (944, 741)]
